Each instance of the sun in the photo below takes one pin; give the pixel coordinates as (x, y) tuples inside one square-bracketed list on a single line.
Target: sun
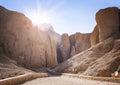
[(38, 17), (45, 13)]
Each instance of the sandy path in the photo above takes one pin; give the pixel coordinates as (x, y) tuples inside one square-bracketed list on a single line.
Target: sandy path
[(62, 80)]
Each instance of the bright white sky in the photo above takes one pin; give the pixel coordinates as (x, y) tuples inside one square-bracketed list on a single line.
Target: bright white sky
[(66, 16)]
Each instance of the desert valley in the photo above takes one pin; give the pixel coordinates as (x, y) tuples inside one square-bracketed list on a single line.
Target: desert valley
[(30, 55)]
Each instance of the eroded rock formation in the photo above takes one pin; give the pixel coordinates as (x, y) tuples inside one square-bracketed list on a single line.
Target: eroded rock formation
[(107, 22), (79, 42), (73, 44), (103, 58), (27, 44), (65, 47), (94, 39)]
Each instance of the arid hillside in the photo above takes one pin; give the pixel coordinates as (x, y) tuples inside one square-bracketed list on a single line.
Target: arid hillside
[(9, 68), (103, 57)]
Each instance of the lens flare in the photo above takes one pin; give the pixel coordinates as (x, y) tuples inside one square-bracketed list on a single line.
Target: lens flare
[(39, 17)]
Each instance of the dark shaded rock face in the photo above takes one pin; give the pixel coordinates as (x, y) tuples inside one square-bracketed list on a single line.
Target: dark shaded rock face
[(73, 44), (103, 58), (65, 47), (25, 43), (94, 39)]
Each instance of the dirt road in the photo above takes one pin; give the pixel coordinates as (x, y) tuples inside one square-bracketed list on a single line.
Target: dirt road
[(64, 80)]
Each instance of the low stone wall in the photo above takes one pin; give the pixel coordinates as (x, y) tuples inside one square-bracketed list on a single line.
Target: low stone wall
[(22, 78)]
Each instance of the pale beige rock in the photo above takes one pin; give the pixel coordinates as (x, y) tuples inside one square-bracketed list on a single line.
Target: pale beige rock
[(107, 22), (29, 45), (73, 44), (79, 42), (103, 58), (95, 36)]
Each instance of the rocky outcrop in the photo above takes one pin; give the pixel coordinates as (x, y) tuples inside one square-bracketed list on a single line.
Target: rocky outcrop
[(103, 58), (65, 47), (107, 22), (29, 45), (107, 25), (73, 44), (79, 42), (94, 39)]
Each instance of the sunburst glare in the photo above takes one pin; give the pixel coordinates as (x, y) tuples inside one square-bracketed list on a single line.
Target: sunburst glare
[(41, 15)]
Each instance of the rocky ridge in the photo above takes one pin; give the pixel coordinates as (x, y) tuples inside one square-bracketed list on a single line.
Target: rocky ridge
[(103, 58)]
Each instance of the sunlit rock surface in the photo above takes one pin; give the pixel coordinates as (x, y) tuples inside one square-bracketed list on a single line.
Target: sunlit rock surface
[(94, 54), (31, 46), (103, 58), (107, 22)]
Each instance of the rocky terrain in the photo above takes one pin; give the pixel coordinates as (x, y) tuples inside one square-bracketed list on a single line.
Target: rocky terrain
[(103, 57), (9, 68), (24, 45), (27, 44), (73, 44), (36, 46)]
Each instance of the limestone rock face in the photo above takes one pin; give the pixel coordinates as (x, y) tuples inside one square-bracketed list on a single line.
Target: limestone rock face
[(65, 47), (103, 57), (73, 44), (82, 42), (79, 42), (100, 60), (29, 45), (107, 22), (95, 36), (72, 53)]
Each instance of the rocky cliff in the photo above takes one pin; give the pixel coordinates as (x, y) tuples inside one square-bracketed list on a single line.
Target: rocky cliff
[(73, 44), (103, 58), (29, 45), (36, 46)]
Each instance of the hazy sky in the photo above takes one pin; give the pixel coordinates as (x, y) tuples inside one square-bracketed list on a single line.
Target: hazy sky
[(66, 16)]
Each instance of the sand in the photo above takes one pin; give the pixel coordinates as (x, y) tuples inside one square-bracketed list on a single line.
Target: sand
[(63, 80)]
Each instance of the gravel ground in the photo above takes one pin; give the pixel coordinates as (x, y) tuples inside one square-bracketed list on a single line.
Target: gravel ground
[(63, 80)]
